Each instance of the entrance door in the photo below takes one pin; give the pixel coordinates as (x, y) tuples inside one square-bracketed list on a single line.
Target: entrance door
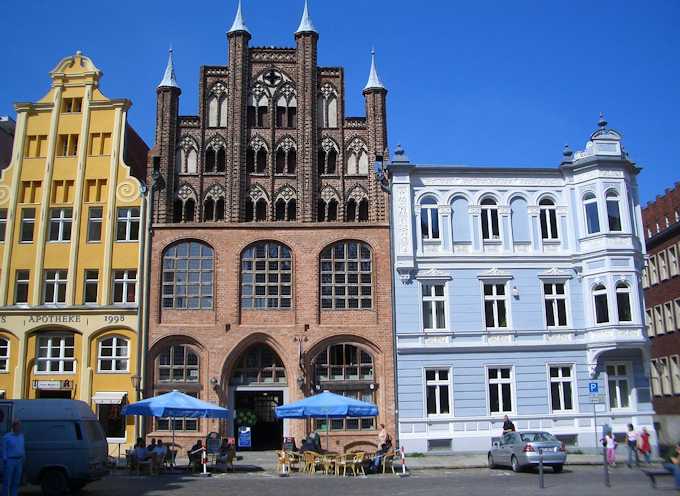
[(54, 394), (267, 433)]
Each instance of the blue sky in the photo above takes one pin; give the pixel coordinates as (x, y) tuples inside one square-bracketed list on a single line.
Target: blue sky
[(484, 82)]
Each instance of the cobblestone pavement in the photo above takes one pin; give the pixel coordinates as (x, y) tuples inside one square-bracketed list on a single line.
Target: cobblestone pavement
[(468, 482)]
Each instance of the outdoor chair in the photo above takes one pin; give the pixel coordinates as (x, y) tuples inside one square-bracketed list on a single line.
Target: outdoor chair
[(388, 461), (294, 459), (357, 463), (342, 462), (312, 461)]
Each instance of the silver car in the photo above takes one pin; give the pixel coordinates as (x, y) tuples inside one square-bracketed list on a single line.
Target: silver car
[(521, 449)]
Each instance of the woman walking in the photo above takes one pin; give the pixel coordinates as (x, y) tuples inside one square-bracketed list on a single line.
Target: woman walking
[(632, 443), (645, 446), (610, 446)]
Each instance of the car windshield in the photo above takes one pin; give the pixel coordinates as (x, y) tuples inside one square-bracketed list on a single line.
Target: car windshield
[(93, 430), (534, 437)]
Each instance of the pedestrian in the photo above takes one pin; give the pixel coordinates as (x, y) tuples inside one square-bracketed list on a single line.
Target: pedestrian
[(383, 436), (610, 446), (13, 455), (508, 426), (674, 466), (632, 443), (645, 446)]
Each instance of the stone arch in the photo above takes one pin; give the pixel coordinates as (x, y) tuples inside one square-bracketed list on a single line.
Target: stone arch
[(232, 358)]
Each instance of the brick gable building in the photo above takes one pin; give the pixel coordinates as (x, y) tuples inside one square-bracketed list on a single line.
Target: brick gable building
[(270, 272)]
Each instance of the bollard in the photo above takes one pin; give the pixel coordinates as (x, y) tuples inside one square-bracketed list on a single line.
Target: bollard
[(204, 462), (402, 454), (541, 482), (606, 467)]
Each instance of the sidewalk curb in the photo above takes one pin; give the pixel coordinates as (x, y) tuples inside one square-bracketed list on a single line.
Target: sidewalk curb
[(478, 466)]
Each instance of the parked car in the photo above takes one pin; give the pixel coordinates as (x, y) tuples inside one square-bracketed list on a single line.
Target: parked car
[(65, 444), (519, 450)]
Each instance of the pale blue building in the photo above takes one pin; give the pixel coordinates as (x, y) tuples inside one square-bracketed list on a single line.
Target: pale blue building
[(514, 289)]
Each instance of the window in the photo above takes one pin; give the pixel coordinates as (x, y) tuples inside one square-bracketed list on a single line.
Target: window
[(673, 261), (500, 389), (659, 323), (188, 276), (495, 312), (178, 363), (67, 145), (675, 373), (653, 271), (676, 310), (623, 302), (258, 108), (649, 322), (438, 386), (592, 214), (350, 423), (286, 110), (3, 224), (555, 304), (655, 378), (434, 307), (256, 157), (618, 385), (27, 224), (95, 190), (4, 355), (357, 158), (217, 106), (71, 105), (100, 144), (21, 287), (328, 157), (259, 365), (645, 278), (285, 158), (111, 420), (36, 146), (328, 107), (343, 362), (490, 226), (601, 304), (663, 265), (669, 317), (127, 227), (346, 276), (55, 287), (91, 287), (548, 217), (114, 354), (55, 354), (179, 424), (665, 376), (186, 156), (215, 157), (124, 286), (613, 211), (61, 220), (94, 224), (429, 219), (561, 388), (266, 276)]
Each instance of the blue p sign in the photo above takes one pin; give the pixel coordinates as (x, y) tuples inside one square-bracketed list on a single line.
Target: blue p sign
[(593, 387)]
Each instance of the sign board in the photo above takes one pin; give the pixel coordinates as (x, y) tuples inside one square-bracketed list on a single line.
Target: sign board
[(53, 385), (593, 387), (244, 437), (597, 398)]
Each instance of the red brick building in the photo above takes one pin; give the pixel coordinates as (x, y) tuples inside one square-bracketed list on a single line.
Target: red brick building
[(270, 273), (661, 219)]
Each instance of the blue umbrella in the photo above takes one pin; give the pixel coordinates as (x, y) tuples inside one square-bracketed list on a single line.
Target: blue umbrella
[(328, 405)]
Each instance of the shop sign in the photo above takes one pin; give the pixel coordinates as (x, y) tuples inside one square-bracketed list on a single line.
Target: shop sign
[(53, 385)]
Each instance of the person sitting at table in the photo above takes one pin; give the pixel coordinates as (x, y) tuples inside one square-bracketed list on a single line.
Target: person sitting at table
[(227, 454), (308, 444), (152, 446), (316, 439), (379, 455), (139, 453), (196, 455), (159, 453)]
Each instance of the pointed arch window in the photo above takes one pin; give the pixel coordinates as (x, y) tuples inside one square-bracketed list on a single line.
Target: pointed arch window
[(261, 208), (266, 276), (357, 159), (286, 108), (328, 107), (256, 157), (548, 218), (328, 157), (346, 276), (215, 158), (184, 205), (186, 158), (592, 213), (258, 108), (429, 219), (613, 212), (217, 106), (490, 224), (327, 209), (601, 304), (623, 302), (286, 157)]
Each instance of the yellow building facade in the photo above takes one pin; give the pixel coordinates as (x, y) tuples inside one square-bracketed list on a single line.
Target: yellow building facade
[(72, 213)]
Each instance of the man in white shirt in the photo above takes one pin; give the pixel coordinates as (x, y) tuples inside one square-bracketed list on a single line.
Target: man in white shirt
[(13, 454)]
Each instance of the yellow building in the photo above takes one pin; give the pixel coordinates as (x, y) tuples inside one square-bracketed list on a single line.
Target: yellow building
[(71, 227)]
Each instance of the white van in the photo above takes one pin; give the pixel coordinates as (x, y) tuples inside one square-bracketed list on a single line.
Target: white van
[(65, 444)]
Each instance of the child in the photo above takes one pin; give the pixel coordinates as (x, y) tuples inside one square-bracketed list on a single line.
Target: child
[(644, 445), (610, 445)]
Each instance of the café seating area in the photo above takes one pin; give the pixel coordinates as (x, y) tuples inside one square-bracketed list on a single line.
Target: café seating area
[(338, 464)]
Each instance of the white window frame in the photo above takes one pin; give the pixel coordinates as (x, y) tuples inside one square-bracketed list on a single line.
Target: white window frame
[(599, 292), (674, 269), (668, 317), (487, 213), (495, 299), (553, 298), (92, 220), (7, 356), (437, 382), (629, 378), (433, 299), (653, 270), (649, 322), (25, 221), (62, 359), (674, 361), (655, 378), (666, 379), (659, 321), (499, 381), (613, 197), (545, 211), (113, 357), (626, 289), (18, 281), (663, 265), (586, 203), (430, 211), (87, 281), (571, 380), (62, 220), (56, 282), (125, 280), (124, 216)]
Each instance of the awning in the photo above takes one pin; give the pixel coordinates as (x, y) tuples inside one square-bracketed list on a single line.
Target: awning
[(108, 398)]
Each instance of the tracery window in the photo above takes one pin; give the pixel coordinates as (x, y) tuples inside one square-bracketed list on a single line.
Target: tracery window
[(357, 158), (286, 108), (186, 156), (217, 106), (328, 106), (258, 107), (286, 157), (256, 156), (328, 157)]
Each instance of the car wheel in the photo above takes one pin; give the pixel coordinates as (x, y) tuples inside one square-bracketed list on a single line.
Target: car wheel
[(54, 483), (491, 462), (515, 464), (557, 468)]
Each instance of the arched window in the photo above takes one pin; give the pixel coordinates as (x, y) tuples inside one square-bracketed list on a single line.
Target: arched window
[(256, 156), (623, 302), (490, 225), (210, 160), (321, 210), (548, 217), (213, 204), (613, 211), (332, 210), (592, 213), (266, 276), (219, 209), (209, 209), (286, 157), (177, 363), (114, 354), (348, 370), (328, 107), (346, 276), (259, 365), (291, 210), (217, 106), (189, 210), (429, 219), (357, 159), (258, 108), (261, 210), (363, 210), (351, 210), (601, 304), (286, 109), (328, 157), (187, 156), (4, 355), (188, 276), (280, 209)]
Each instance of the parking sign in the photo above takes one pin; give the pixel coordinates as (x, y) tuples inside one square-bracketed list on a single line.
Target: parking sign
[(593, 387)]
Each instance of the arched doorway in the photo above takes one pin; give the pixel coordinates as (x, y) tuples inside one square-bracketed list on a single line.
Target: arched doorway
[(257, 385)]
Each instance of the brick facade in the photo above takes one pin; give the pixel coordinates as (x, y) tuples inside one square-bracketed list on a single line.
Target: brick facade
[(230, 119)]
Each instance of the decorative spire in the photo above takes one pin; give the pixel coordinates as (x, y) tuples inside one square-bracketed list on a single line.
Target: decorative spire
[(602, 123), (306, 24), (239, 23), (374, 81), (169, 80)]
